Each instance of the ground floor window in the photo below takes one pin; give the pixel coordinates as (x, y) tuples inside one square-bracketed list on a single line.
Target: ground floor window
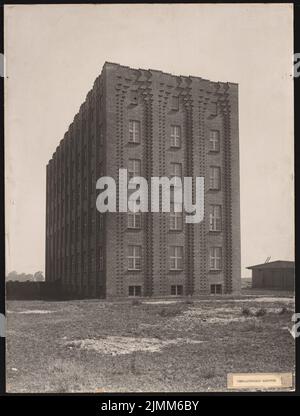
[(176, 258), (216, 289), (215, 258), (134, 290), (177, 290), (134, 257)]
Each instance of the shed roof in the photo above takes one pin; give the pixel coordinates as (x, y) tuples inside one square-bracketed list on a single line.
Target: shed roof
[(278, 264)]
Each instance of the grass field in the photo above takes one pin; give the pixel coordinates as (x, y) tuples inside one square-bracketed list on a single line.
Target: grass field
[(159, 346)]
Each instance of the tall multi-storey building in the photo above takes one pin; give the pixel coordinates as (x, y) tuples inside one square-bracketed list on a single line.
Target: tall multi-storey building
[(153, 124)]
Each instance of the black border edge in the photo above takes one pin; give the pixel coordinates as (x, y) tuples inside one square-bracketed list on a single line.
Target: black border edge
[(296, 170), (2, 222)]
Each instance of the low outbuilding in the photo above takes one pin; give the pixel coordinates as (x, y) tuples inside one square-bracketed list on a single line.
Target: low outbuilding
[(278, 274)]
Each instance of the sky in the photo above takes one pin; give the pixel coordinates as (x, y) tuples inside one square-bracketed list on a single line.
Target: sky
[(53, 54)]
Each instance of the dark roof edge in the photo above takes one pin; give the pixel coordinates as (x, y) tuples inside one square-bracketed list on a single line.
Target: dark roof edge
[(286, 263), (168, 73)]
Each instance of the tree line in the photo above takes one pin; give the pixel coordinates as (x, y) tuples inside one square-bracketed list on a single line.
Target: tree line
[(23, 277)]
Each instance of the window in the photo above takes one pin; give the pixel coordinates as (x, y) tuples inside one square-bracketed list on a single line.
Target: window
[(214, 177), (134, 257), (215, 221), (134, 168), (216, 289), (215, 258), (134, 290), (176, 258), (175, 136), (101, 259), (134, 220), (134, 131), (176, 290), (175, 103), (175, 218), (176, 171), (214, 141)]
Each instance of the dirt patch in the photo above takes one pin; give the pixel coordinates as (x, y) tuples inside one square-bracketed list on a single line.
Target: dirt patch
[(254, 299), (266, 299), (114, 345), (33, 311), (223, 314), (217, 315), (161, 302)]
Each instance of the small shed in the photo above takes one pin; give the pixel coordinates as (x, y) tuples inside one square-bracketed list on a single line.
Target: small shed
[(278, 274)]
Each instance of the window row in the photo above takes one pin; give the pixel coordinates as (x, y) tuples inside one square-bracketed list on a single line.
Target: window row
[(134, 258), (175, 290), (176, 258), (175, 136), (134, 169), (134, 219), (136, 290)]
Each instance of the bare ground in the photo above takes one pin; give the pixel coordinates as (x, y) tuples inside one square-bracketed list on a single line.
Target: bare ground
[(158, 346)]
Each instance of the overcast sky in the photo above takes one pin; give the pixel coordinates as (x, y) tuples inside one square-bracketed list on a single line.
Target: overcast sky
[(55, 52)]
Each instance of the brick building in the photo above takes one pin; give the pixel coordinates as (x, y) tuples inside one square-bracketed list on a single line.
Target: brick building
[(153, 124)]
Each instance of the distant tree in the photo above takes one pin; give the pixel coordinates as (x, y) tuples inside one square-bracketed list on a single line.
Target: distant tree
[(29, 277), (12, 275), (23, 277), (38, 276)]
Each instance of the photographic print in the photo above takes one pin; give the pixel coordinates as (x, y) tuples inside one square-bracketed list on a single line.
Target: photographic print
[(149, 169)]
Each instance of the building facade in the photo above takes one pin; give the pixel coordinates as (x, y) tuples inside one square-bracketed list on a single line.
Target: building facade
[(153, 124)]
